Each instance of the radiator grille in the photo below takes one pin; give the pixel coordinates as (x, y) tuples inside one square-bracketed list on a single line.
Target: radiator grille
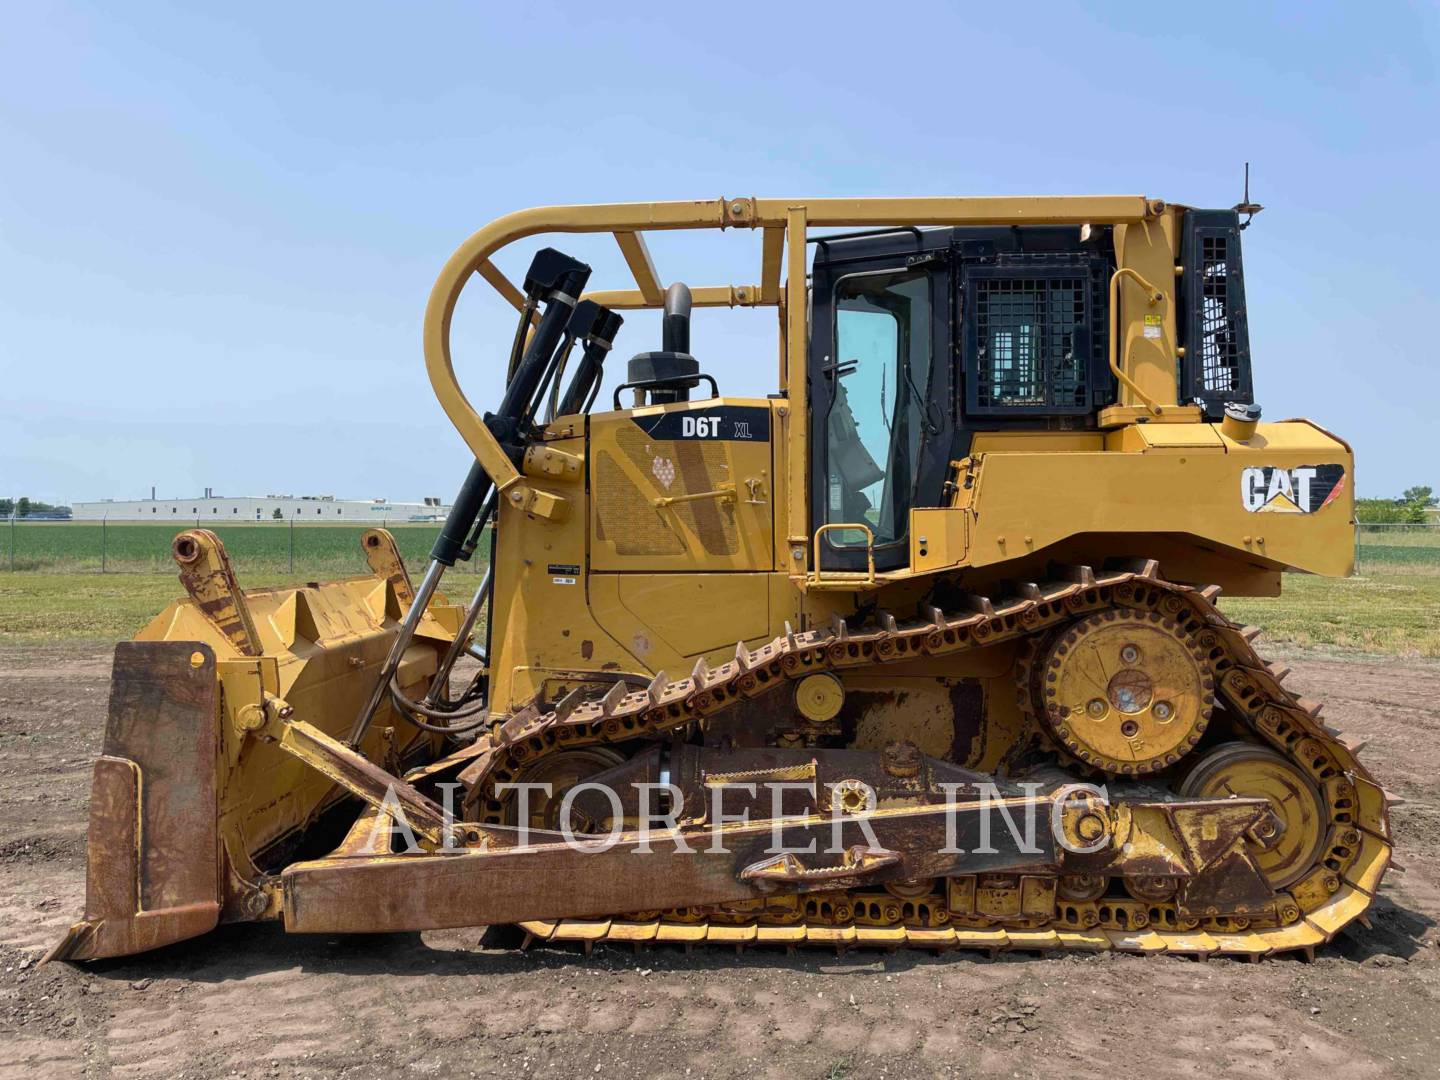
[(625, 516), (625, 513)]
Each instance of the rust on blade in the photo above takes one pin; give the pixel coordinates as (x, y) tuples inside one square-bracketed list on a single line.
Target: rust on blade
[(209, 578), (361, 777), (153, 867), (385, 562)]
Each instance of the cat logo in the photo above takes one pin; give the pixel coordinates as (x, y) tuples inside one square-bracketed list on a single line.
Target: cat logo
[(1274, 489)]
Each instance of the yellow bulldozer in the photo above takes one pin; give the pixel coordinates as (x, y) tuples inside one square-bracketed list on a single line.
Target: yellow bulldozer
[(920, 650)]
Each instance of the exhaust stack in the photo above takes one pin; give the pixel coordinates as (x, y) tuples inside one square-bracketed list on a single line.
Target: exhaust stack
[(669, 375)]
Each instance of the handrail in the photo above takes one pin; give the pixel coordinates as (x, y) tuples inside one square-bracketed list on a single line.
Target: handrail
[(1154, 296), (473, 256), (869, 548)]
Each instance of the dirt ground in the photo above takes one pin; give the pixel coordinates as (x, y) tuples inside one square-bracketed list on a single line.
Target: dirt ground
[(250, 1001)]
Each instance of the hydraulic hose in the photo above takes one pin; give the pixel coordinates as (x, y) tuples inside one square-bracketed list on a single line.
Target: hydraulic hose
[(413, 710), (504, 423), (558, 280)]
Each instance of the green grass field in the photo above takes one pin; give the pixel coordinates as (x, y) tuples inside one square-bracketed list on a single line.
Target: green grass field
[(58, 593), (1391, 610), (255, 547), (112, 607), (82, 607), (1392, 607), (1395, 612)]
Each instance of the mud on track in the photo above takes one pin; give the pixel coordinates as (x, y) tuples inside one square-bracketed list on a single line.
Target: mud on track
[(251, 1001)]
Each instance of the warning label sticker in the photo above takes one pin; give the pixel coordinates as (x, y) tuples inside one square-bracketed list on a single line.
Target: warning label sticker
[(1152, 326)]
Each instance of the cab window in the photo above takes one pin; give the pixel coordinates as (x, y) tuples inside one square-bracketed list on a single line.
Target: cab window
[(880, 411)]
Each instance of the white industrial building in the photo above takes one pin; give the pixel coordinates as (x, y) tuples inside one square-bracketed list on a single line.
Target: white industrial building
[(302, 508)]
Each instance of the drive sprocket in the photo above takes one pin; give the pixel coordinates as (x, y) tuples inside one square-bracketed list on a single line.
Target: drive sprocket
[(1125, 690)]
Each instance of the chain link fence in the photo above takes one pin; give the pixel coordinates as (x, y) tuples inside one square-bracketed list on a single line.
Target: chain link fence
[(1397, 549), (268, 549), (314, 550)]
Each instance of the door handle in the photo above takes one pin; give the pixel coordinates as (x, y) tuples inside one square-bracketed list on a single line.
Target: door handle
[(723, 493)]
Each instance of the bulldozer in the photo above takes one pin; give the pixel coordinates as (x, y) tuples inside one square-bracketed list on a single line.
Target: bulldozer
[(920, 650)]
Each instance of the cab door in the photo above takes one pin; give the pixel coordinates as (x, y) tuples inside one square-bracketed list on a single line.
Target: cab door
[(881, 371)]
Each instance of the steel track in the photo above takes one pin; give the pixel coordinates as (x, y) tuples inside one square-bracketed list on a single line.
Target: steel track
[(1337, 890)]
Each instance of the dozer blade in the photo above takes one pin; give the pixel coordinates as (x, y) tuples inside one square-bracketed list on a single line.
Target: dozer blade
[(153, 874), (194, 802)]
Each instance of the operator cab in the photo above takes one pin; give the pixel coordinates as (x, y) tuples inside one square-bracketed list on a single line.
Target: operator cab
[(922, 338)]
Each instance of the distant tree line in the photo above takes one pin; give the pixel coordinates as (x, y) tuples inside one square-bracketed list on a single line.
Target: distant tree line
[(1408, 509), (24, 507)]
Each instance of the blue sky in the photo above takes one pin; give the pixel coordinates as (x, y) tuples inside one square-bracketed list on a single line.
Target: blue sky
[(218, 229)]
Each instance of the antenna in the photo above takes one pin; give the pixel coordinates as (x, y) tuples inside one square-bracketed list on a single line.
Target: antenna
[(1245, 206)]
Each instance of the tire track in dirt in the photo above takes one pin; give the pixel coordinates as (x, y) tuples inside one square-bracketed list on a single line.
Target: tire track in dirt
[(1211, 1031), (27, 1057), (159, 1037), (39, 899)]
